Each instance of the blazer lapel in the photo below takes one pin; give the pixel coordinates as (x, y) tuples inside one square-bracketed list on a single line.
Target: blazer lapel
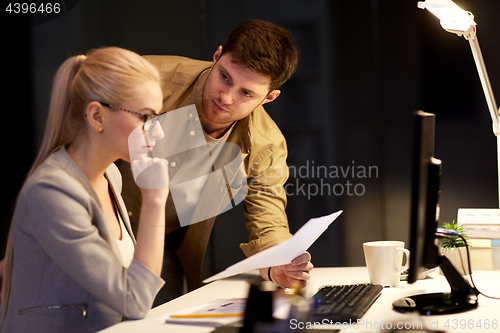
[(100, 220)]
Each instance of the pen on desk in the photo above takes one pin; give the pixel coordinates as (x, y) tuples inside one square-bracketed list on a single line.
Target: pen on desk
[(209, 315)]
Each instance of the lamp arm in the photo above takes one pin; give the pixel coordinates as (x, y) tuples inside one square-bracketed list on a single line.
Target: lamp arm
[(453, 22), (488, 93), (485, 82)]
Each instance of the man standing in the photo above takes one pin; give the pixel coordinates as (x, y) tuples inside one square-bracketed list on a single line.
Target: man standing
[(246, 72)]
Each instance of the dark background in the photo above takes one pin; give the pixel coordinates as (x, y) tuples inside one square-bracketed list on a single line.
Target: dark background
[(365, 67)]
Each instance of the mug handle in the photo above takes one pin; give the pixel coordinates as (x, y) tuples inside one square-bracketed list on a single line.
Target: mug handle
[(407, 264)]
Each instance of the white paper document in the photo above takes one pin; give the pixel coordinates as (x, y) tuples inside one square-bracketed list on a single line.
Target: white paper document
[(206, 314), (283, 253), (222, 312)]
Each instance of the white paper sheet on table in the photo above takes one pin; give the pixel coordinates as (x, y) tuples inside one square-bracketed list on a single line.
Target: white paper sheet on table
[(281, 308), (282, 253), (216, 306)]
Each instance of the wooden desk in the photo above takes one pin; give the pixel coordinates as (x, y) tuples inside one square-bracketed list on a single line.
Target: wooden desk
[(379, 317)]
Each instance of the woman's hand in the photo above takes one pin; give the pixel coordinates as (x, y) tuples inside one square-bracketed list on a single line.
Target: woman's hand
[(154, 181), (151, 233), (150, 173)]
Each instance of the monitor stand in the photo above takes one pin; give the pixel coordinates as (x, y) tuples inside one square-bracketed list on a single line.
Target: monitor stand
[(461, 298)]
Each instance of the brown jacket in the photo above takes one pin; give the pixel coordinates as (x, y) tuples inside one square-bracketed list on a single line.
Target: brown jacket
[(264, 153)]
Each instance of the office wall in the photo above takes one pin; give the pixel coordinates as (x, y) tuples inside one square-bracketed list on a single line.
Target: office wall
[(17, 133), (365, 67), (377, 48)]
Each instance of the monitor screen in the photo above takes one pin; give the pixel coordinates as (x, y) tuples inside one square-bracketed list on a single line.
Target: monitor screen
[(424, 196)]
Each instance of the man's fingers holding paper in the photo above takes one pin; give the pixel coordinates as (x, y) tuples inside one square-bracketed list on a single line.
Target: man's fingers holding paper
[(294, 274)]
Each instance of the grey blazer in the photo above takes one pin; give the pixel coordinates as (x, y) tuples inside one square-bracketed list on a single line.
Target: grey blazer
[(67, 273)]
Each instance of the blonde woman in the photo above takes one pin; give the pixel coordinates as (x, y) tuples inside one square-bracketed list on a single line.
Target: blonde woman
[(72, 262)]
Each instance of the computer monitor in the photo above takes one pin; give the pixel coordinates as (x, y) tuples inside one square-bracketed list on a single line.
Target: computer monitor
[(424, 214), (424, 251)]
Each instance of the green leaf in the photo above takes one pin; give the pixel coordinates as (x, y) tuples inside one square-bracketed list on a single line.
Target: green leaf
[(452, 242)]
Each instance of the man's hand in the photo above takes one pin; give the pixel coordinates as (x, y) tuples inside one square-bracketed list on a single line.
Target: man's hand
[(294, 275)]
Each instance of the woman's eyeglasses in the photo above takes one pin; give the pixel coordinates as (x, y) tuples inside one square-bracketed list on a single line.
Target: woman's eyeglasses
[(147, 124)]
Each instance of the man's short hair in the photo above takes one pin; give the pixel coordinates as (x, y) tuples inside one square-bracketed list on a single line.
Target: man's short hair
[(264, 47)]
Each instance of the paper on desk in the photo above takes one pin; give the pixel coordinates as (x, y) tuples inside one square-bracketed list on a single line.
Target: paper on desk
[(281, 309), (232, 305), (283, 253)]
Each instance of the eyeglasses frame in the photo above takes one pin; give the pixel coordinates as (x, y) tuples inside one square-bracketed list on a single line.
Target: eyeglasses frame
[(145, 117)]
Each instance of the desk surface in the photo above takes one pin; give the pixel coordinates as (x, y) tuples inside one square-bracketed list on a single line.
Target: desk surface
[(380, 316)]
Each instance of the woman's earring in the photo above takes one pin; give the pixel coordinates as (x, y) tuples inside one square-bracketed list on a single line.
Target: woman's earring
[(100, 130)]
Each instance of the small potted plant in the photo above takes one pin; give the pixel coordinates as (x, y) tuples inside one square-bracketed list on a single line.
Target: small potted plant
[(454, 248)]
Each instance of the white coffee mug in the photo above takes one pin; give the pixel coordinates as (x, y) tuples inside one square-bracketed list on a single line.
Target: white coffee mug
[(384, 260)]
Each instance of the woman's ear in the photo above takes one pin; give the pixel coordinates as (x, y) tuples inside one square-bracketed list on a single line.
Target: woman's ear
[(95, 116)]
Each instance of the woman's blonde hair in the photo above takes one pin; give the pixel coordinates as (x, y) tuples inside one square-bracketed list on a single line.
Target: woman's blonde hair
[(108, 74)]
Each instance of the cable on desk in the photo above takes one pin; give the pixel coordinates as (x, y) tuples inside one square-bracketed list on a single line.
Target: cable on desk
[(470, 270)]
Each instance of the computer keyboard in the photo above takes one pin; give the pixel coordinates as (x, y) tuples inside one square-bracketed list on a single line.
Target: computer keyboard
[(343, 303)]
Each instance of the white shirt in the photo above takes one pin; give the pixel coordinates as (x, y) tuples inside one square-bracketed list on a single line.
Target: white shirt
[(126, 245)]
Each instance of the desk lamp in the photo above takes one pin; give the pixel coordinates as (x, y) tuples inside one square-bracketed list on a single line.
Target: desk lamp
[(456, 20)]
